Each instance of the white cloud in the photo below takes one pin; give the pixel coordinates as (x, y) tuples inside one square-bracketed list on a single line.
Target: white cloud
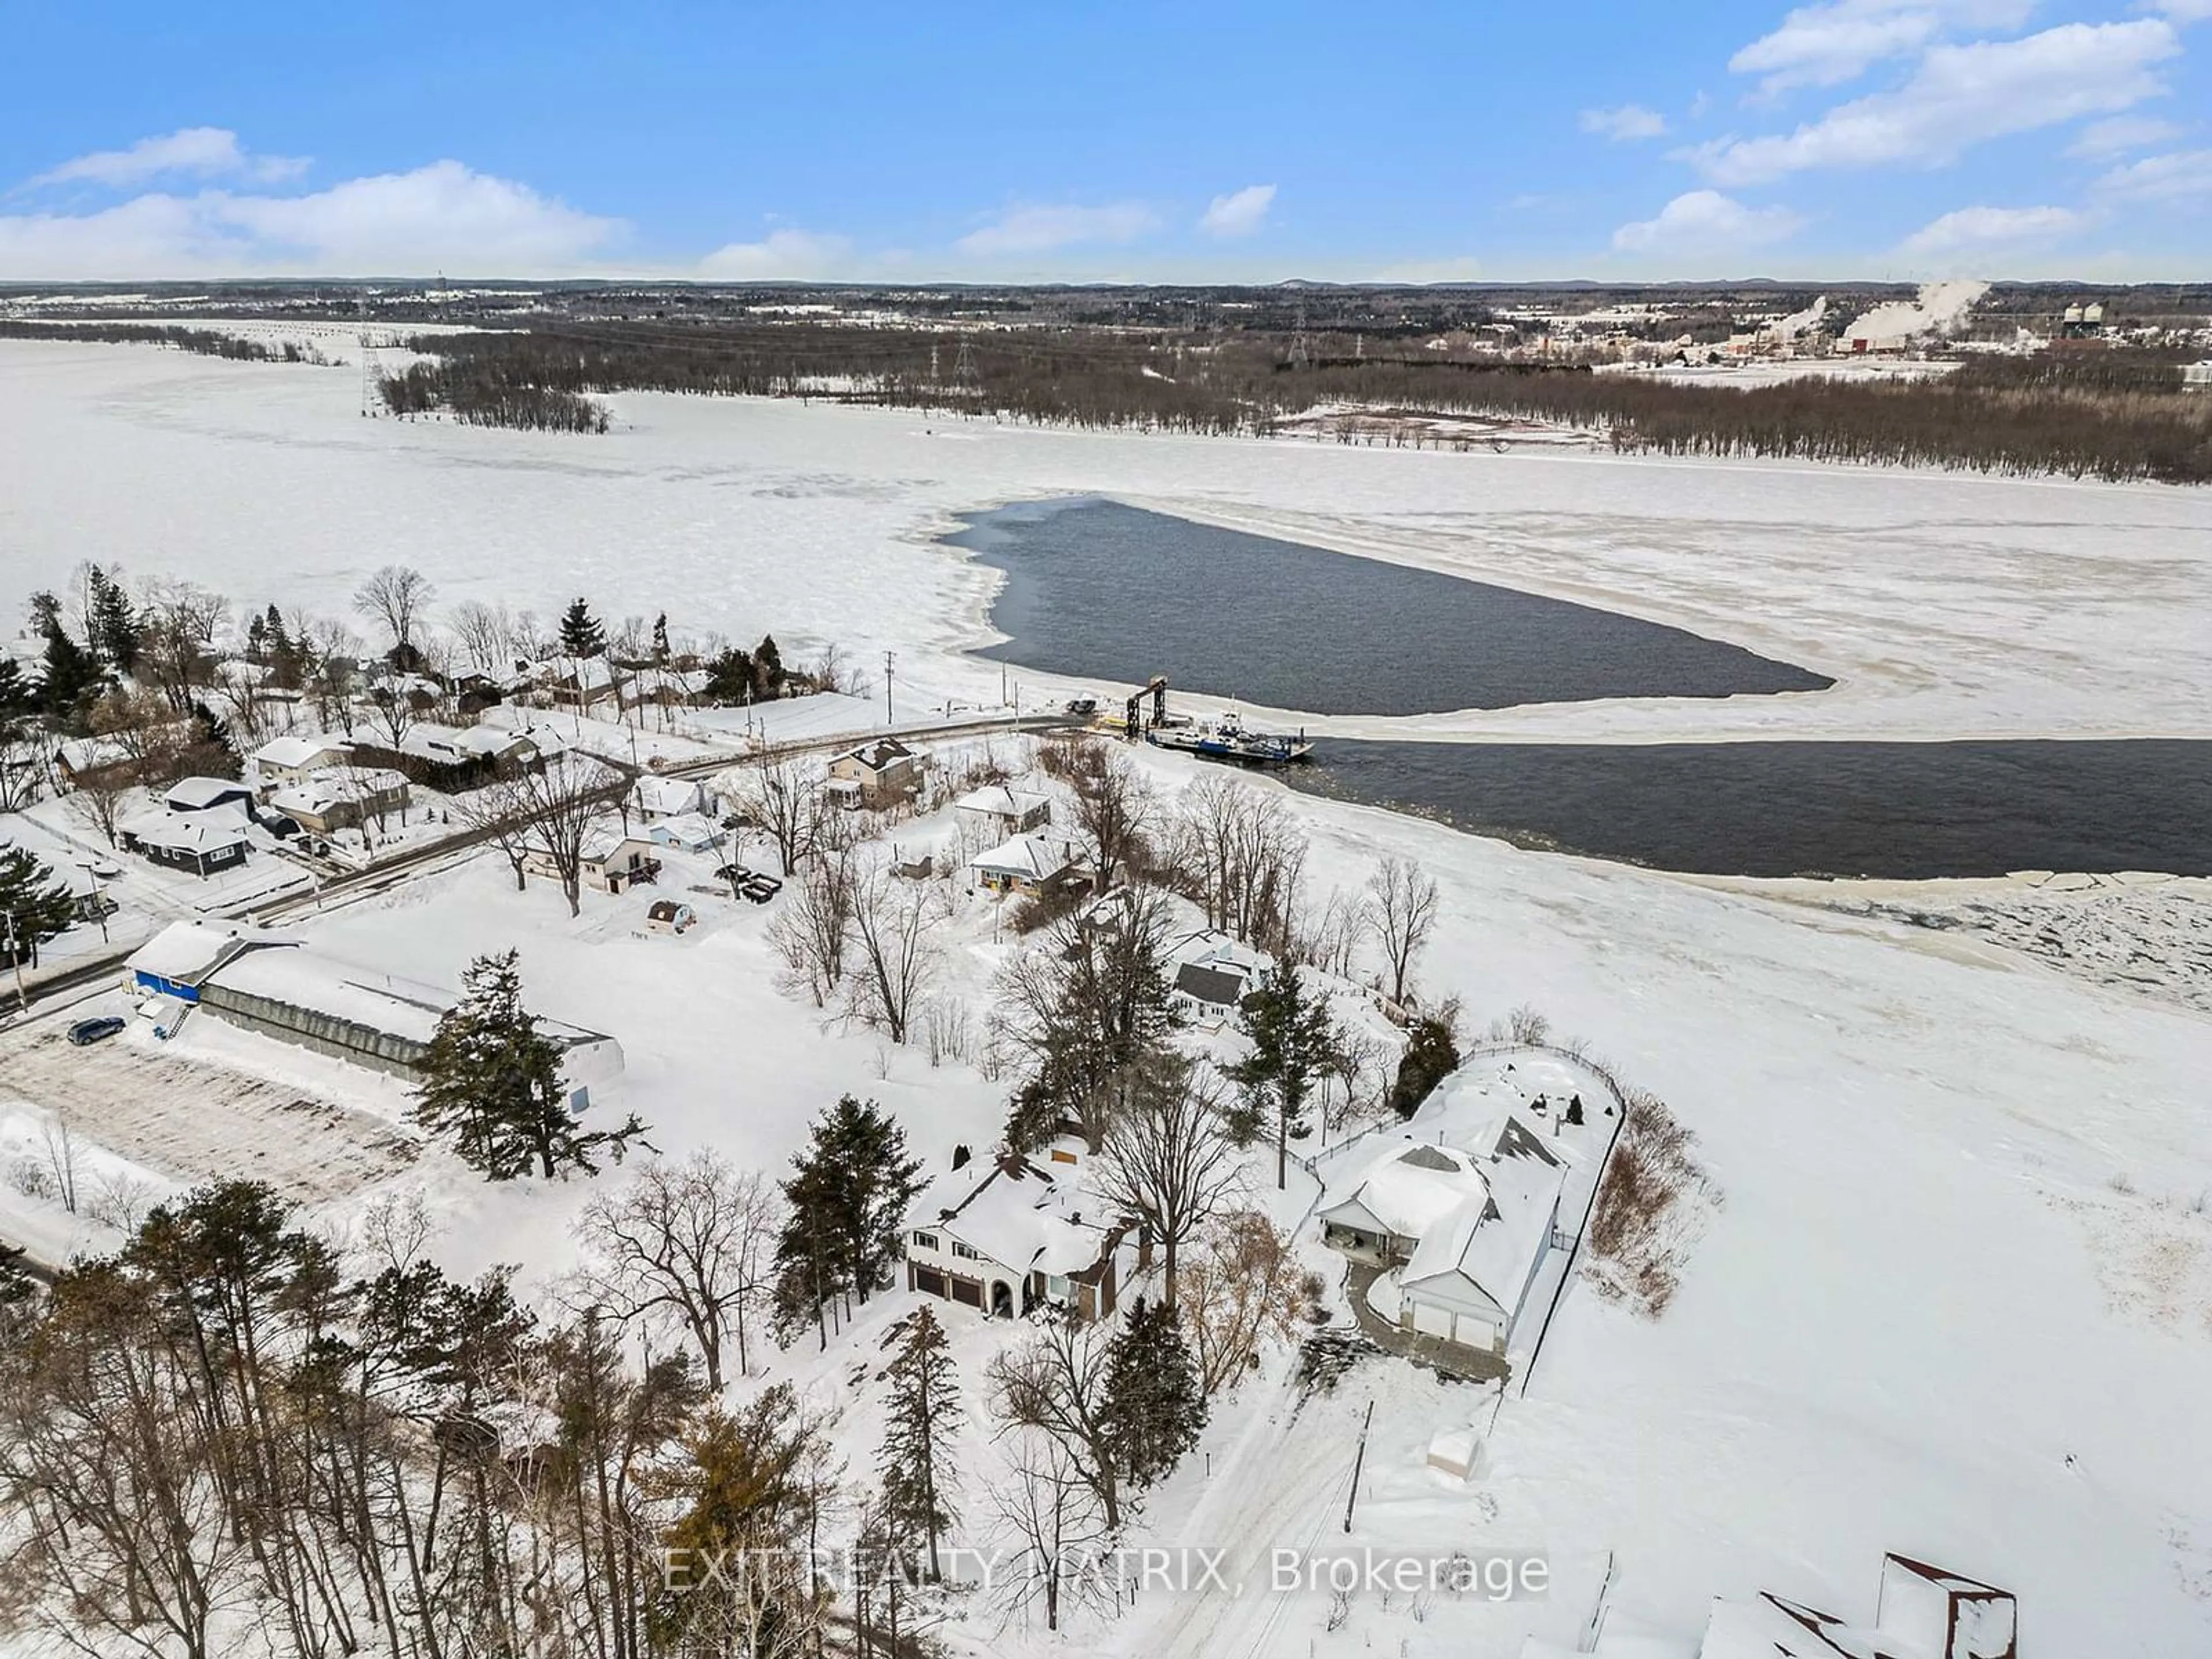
[(1824, 46), (1041, 229), (2183, 176), (196, 152), (1707, 219), (1626, 125), (440, 217), (2123, 132), (1959, 97), (1239, 213), (1975, 230), (780, 255), (2180, 11)]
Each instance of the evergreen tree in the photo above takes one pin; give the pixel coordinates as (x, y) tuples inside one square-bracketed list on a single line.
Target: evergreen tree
[(581, 634), (730, 677), (72, 675), (1154, 1399), (848, 1194), (19, 699), (257, 640), (491, 1083), (111, 627), (213, 753), (1431, 1056), (1292, 1038), (36, 906), (660, 651), (921, 1475), (768, 668)]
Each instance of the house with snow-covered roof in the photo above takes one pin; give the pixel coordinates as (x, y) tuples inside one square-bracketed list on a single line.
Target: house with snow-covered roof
[(296, 756), (1006, 1236), (656, 797), (1029, 864), (203, 843), (1002, 810), (340, 799), (875, 776)]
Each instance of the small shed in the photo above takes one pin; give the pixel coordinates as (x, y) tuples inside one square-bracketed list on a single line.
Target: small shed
[(671, 916)]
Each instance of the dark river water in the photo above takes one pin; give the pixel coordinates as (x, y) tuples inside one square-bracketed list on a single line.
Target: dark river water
[(1097, 590), (1904, 810)]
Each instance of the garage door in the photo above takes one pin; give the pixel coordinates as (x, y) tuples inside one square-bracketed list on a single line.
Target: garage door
[(1476, 1333), (967, 1291), (929, 1279), (1431, 1321)]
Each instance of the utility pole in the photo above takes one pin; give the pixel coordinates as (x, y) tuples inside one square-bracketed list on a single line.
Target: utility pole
[(22, 997), (1359, 1458), (889, 656)]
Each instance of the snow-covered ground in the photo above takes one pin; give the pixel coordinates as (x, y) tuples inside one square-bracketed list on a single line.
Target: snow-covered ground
[(1944, 605), (1956, 1298)]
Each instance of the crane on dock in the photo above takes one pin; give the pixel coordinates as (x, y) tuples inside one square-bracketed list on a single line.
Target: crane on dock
[(1132, 720)]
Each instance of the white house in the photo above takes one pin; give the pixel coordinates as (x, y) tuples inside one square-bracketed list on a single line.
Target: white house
[(668, 797), (295, 757), (331, 801), (463, 745), (1464, 1234), (208, 795), (1005, 1235), (1025, 864), (999, 810), (1214, 975), (1468, 1280), (1921, 1611), (687, 832)]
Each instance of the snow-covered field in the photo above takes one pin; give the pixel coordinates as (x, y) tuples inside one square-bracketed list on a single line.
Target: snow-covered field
[(1944, 604), (1957, 1300)]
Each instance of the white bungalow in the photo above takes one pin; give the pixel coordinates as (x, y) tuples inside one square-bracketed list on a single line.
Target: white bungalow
[(668, 798), (295, 757), (1468, 1280), (1029, 864), (687, 832), (1214, 975), (1403, 1195), (997, 809)]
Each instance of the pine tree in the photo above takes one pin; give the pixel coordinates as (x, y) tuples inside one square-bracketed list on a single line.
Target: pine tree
[(1292, 1038), (660, 651), (72, 673), (730, 677), (768, 668), (110, 624), (1154, 1399), (37, 907), (848, 1194), (491, 1082), (919, 1472), (1431, 1056), (581, 634)]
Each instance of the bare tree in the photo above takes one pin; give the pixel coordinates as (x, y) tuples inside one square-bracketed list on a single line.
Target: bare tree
[(1113, 810), (178, 623), (558, 807), (1405, 909), (784, 800), (894, 954), (1050, 1514), (96, 799), (1242, 859), (1346, 920), (1055, 1383), (1241, 1286), (333, 651), (1167, 1158), (484, 631), (396, 595), (810, 934), (690, 1242)]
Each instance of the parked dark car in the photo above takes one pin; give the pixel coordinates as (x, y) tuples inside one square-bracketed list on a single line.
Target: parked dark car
[(93, 1030), (761, 889)]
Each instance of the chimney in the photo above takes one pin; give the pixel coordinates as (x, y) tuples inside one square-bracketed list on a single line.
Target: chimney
[(960, 1156)]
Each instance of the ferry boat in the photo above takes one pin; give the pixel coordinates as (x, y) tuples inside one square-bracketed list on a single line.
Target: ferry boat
[(1227, 739)]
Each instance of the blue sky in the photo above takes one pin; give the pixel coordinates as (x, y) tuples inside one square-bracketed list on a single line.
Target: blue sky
[(1891, 138)]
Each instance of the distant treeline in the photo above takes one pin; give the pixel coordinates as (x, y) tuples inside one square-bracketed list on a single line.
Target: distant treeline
[(486, 389), (2085, 412), (205, 341)]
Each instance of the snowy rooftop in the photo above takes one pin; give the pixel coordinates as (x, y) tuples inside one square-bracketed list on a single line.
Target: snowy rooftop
[(325, 790), (1016, 1214), (1412, 1188), (656, 794), (199, 833), (185, 950), (293, 749), (1493, 1240), (998, 801), (196, 794), (1031, 858)]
